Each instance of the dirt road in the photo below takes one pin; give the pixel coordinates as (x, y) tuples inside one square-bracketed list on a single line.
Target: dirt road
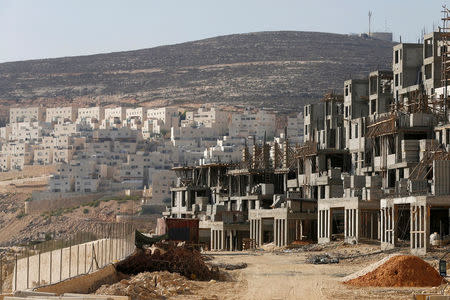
[(278, 275)]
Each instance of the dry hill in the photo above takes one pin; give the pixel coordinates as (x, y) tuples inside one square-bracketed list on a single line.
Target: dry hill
[(284, 68)]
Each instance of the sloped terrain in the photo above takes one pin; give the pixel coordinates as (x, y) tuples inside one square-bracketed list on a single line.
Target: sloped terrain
[(284, 68)]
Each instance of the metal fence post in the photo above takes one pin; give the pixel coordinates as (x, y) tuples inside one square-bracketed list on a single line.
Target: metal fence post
[(1, 275), (97, 253), (60, 261), (51, 261), (85, 254), (39, 269), (15, 275), (123, 240), (115, 241), (78, 259), (28, 268), (70, 257)]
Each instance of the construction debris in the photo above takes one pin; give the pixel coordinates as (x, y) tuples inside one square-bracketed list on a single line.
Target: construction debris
[(400, 271), (230, 267), (322, 259), (155, 285), (183, 260)]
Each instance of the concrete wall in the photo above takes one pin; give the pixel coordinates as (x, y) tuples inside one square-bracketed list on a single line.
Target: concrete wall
[(84, 284), (28, 171), (58, 265)]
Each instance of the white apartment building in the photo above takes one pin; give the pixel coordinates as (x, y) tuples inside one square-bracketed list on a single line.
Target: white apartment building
[(57, 114), (227, 149), (253, 124), (26, 114), (139, 113), (162, 181), (207, 117), (85, 113), (295, 127), (118, 113), (163, 118), (28, 131)]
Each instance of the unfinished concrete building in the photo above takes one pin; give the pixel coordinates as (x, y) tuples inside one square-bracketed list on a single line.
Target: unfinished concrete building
[(374, 165), (396, 189), (246, 200)]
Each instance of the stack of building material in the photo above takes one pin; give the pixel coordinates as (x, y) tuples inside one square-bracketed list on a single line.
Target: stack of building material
[(441, 177), (372, 189), (418, 186), (410, 150), (401, 186)]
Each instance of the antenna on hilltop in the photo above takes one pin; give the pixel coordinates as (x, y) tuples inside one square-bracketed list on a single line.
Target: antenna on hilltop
[(370, 19)]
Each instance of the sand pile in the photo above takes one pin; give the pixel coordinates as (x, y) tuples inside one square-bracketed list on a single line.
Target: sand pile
[(155, 285), (400, 270)]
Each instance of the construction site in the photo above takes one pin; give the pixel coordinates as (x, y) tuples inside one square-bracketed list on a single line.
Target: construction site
[(375, 166), (359, 210)]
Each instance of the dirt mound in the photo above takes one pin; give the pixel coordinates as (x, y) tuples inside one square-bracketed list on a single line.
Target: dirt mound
[(183, 260), (400, 270), (155, 285)]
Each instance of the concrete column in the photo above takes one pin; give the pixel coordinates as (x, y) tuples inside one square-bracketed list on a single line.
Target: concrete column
[(384, 225), (275, 232), (217, 240), (223, 246), (231, 240), (371, 225), (418, 227), (301, 230), (261, 237), (279, 231), (426, 226), (345, 223), (357, 224), (258, 228), (388, 217), (211, 240), (412, 224), (286, 232), (319, 224)]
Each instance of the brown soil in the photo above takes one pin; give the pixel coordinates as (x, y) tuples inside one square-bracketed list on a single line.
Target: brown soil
[(183, 260), (401, 271)]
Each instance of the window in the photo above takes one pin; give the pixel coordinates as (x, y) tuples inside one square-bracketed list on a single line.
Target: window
[(428, 71), (396, 56), (356, 130)]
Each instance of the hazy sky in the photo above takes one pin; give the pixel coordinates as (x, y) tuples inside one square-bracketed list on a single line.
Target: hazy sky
[(52, 28)]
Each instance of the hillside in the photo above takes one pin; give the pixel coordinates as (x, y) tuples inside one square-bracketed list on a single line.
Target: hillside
[(283, 68)]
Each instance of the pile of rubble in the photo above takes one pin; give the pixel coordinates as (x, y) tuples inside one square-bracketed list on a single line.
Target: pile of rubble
[(322, 259), (155, 285), (166, 257), (400, 271)]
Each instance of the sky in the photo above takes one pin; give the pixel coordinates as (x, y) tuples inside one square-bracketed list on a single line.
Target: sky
[(32, 29)]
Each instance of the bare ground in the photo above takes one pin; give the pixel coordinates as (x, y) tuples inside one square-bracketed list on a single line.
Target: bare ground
[(279, 275)]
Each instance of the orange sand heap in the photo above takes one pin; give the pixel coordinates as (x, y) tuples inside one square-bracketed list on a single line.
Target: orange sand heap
[(400, 270)]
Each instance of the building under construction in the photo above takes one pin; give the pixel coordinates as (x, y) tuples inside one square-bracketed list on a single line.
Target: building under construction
[(374, 165)]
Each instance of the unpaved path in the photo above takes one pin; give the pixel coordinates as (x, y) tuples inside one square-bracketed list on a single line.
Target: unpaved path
[(277, 275)]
